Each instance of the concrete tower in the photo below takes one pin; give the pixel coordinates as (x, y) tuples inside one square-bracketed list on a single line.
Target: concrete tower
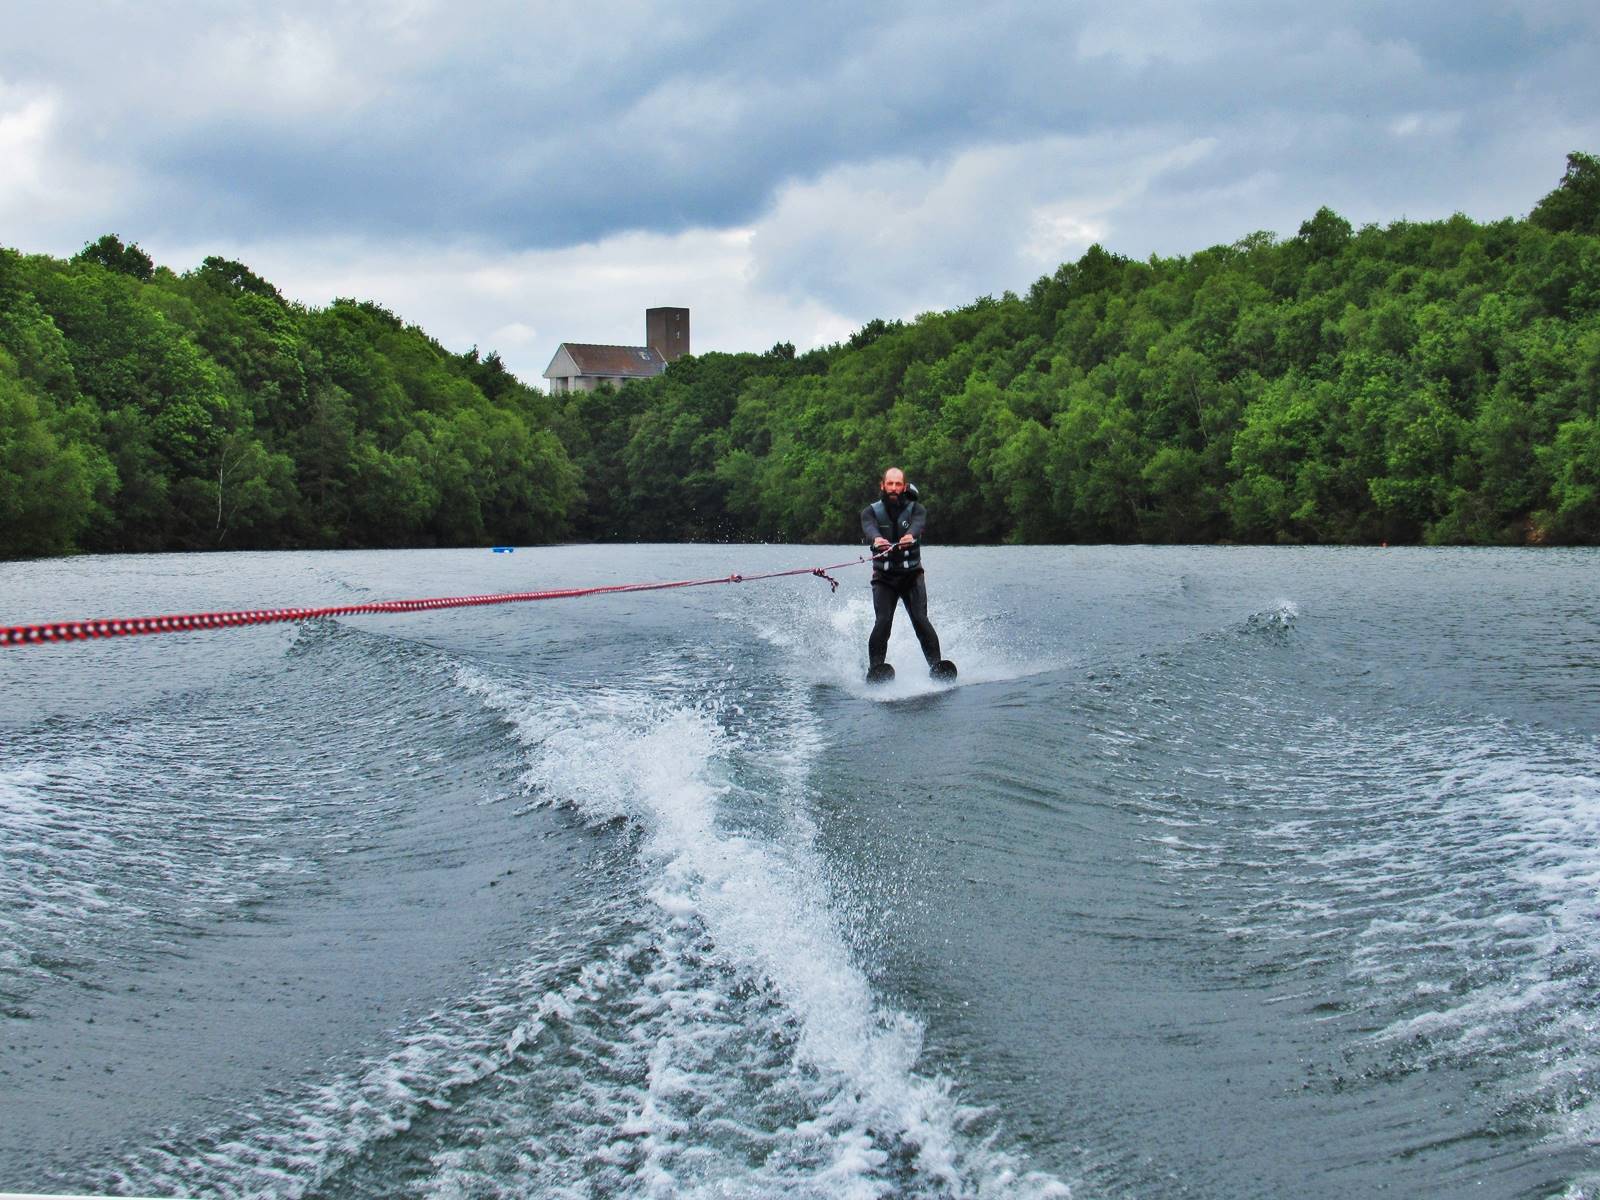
[(666, 331)]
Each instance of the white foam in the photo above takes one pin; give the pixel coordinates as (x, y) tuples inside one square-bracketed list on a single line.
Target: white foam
[(1460, 870), (1446, 867), (763, 909), (70, 884), (292, 1146), (824, 639), (718, 1039)]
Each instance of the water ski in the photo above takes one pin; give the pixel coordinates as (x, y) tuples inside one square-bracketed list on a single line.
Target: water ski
[(943, 669), (880, 673)]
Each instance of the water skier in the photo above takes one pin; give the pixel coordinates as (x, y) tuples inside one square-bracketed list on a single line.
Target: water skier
[(894, 523)]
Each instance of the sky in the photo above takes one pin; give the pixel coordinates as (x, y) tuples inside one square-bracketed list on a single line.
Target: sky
[(514, 175)]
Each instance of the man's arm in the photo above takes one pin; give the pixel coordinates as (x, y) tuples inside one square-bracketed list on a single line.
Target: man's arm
[(869, 527), (919, 521)]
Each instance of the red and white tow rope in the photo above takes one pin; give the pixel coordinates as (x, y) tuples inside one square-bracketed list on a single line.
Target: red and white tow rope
[(110, 627)]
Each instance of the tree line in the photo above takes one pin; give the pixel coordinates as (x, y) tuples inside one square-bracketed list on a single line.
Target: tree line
[(1417, 382), (145, 410)]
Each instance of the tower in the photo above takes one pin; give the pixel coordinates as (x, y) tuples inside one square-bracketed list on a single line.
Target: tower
[(666, 331)]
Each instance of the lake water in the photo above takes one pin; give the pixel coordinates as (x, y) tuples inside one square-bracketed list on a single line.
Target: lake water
[(1223, 873)]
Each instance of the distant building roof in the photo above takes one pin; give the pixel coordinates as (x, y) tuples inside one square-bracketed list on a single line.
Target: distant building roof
[(637, 361)]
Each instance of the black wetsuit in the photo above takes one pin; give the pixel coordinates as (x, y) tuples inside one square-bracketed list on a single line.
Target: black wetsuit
[(897, 576)]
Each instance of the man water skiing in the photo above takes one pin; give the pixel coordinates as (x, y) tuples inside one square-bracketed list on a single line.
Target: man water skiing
[(894, 523)]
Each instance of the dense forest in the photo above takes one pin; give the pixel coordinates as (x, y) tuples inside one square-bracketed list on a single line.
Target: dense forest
[(1417, 382)]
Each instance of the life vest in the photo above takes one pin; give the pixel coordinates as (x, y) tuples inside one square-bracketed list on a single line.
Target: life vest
[(897, 562)]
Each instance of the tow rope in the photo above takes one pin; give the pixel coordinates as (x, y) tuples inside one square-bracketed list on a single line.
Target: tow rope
[(109, 627)]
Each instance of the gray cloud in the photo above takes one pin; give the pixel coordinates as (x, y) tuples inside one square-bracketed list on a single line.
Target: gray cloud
[(881, 158), (540, 127)]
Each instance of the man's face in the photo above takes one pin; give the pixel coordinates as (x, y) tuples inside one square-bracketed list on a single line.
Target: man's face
[(894, 482)]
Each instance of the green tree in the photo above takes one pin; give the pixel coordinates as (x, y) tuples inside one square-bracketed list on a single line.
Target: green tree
[(110, 252), (1573, 461), (1574, 205), (47, 488)]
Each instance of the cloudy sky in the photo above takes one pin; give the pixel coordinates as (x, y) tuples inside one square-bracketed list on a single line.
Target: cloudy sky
[(514, 175)]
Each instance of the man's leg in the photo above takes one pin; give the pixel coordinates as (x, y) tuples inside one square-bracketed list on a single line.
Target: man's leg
[(916, 599), (883, 604)]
